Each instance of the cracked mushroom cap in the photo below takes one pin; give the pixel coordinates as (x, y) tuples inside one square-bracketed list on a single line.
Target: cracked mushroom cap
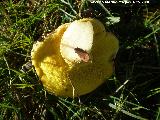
[(76, 58)]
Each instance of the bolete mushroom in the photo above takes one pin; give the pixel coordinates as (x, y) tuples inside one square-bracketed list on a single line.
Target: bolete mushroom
[(76, 58)]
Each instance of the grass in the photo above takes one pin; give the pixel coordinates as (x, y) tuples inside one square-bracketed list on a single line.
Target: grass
[(133, 92)]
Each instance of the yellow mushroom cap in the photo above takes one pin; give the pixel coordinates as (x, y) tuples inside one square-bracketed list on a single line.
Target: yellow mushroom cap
[(76, 58)]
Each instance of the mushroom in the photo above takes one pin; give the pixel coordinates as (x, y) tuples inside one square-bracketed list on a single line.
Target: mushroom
[(76, 58)]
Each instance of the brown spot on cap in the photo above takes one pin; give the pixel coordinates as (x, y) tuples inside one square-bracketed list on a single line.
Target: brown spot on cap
[(82, 54)]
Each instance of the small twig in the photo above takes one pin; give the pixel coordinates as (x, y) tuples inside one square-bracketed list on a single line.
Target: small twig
[(122, 85)]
